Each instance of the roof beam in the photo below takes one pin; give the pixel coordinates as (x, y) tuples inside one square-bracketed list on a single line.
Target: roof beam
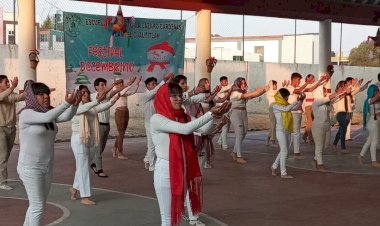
[(339, 11)]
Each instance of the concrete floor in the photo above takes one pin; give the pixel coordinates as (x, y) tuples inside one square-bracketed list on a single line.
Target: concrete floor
[(234, 194)]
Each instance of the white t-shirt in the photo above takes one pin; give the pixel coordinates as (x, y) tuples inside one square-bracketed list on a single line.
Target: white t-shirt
[(293, 98)]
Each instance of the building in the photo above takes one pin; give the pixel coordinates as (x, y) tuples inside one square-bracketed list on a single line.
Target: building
[(274, 49)]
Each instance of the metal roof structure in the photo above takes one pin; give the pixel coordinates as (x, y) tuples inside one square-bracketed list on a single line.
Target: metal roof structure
[(365, 12)]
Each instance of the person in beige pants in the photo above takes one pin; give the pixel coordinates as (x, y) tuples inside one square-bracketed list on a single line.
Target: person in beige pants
[(8, 101)]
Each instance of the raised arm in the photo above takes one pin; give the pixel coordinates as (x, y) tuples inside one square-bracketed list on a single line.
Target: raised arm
[(165, 125), (320, 82), (299, 90), (256, 93), (150, 94), (213, 94), (29, 116), (68, 114), (86, 107), (286, 108), (8, 91)]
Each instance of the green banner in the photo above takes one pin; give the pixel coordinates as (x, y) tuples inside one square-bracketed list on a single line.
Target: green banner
[(120, 47)]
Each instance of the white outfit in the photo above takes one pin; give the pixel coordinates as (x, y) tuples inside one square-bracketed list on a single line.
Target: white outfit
[(223, 135), (373, 127), (321, 126), (272, 119), (83, 153), (239, 120), (282, 136), (36, 158), (160, 129), (148, 100), (297, 119)]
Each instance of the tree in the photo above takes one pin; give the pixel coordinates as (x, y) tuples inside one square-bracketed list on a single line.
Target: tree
[(365, 55), (48, 23)]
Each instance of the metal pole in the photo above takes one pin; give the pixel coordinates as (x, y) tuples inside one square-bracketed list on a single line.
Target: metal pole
[(295, 40), (14, 21), (181, 14), (340, 44), (106, 9), (243, 35)]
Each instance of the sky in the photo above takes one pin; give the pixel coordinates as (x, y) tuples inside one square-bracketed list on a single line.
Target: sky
[(222, 24)]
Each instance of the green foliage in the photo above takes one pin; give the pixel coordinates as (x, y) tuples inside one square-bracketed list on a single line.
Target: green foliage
[(48, 23), (365, 55)]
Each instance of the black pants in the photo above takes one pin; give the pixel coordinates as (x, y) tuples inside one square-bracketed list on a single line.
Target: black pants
[(343, 119)]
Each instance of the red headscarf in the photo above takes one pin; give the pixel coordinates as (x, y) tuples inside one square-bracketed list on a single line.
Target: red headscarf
[(177, 141)]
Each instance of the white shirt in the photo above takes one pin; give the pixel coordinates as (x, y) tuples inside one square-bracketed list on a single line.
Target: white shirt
[(87, 109), (148, 100), (104, 116), (162, 126), (277, 109), (339, 106), (237, 101), (321, 111), (36, 141), (293, 98), (270, 96), (222, 93)]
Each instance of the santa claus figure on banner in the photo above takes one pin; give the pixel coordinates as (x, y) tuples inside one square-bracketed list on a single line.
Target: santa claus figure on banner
[(159, 57)]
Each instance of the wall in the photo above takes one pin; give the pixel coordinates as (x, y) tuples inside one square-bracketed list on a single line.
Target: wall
[(51, 70), (306, 51)]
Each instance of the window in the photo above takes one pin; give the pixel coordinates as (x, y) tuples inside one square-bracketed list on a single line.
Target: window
[(238, 58), (43, 37), (259, 50), (11, 32), (59, 38)]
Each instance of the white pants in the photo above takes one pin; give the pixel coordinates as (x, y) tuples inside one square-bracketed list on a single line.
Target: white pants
[(239, 120), (37, 182), (282, 138), (272, 122), (150, 155), (373, 127), (348, 133), (223, 135), (296, 135), (321, 135), (163, 192), (82, 163)]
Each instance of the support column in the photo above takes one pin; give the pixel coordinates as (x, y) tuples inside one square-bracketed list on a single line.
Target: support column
[(203, 42), (26, 41), (325, 48)]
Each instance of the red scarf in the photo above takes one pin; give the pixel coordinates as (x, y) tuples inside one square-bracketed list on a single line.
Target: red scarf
[(153, 64), (177, 141)]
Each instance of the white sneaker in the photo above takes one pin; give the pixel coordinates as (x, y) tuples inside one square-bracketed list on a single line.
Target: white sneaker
[(5, 187), (197, 223)]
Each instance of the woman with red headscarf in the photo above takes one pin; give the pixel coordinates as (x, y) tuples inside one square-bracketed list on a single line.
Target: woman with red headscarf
[(177, 170)]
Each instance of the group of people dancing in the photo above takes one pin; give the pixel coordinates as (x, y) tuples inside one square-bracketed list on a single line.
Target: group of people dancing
[(322, 108), (180, 126)]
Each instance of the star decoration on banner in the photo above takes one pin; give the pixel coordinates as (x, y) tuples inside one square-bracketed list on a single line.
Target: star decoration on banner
[(375, 39)]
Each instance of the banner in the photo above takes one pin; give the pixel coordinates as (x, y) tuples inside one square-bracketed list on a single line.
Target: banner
[(119, 47)]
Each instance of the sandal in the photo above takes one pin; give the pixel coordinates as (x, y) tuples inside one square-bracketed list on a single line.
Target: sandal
[(93, 167), (101, 174)]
